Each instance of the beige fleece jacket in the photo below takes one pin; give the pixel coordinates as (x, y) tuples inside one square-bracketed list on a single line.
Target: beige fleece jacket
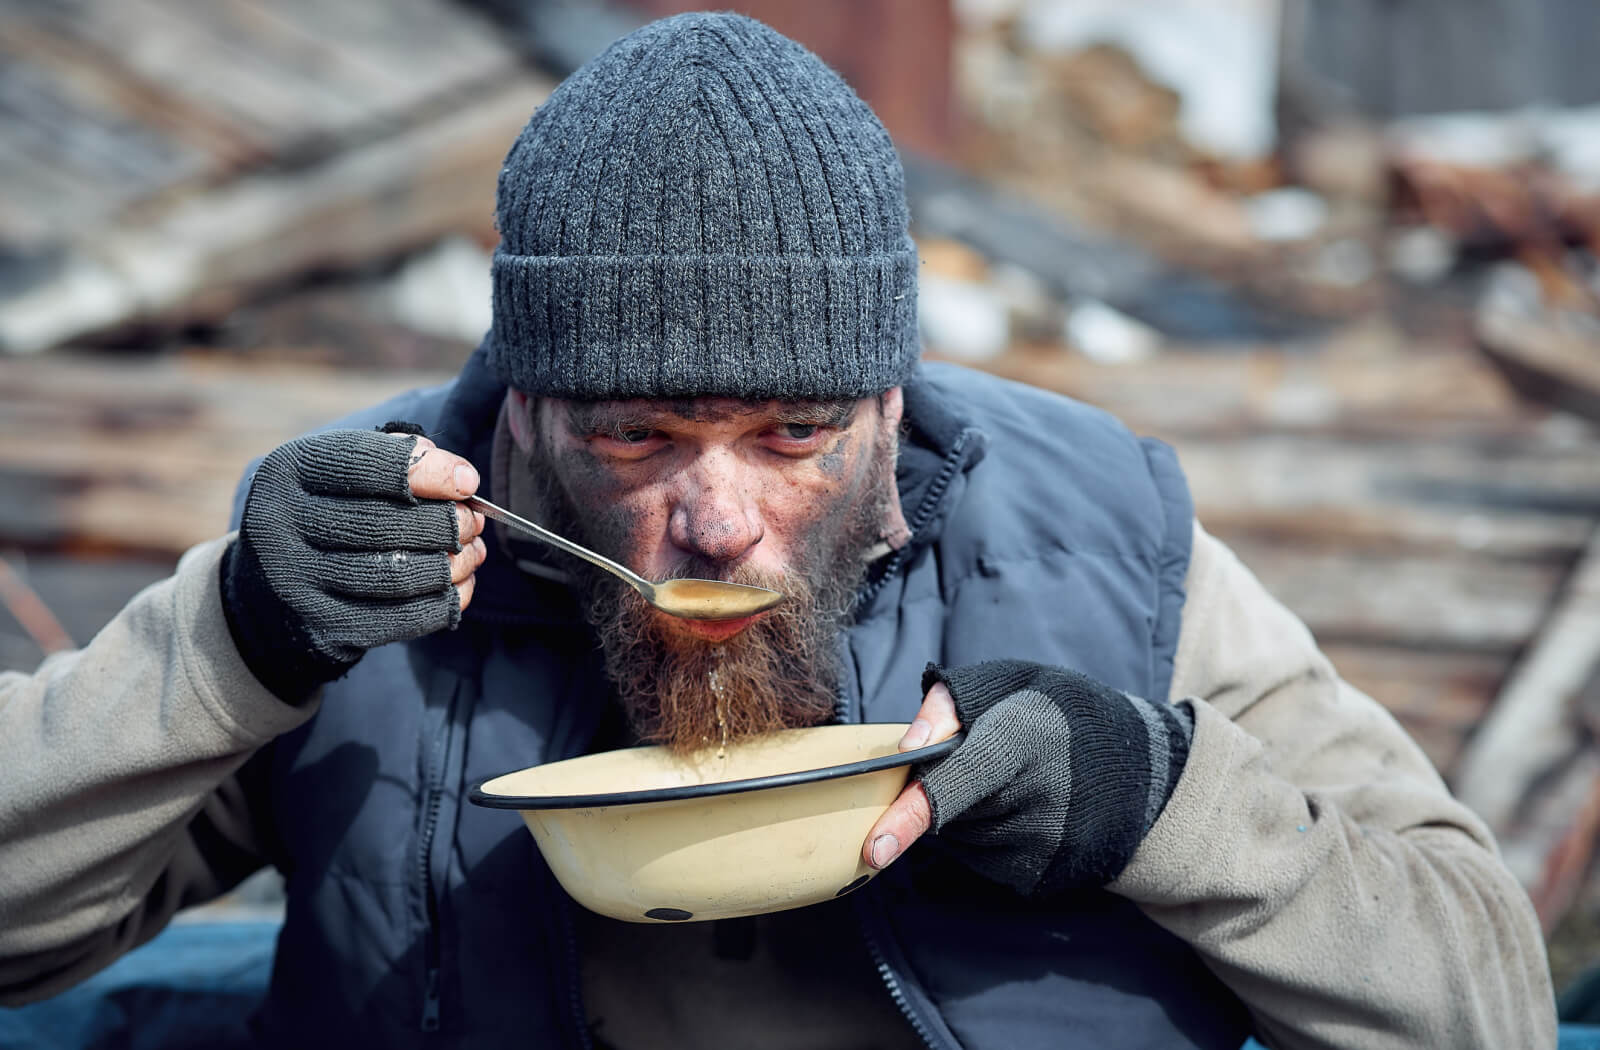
[(116, 763), (1310, 853)]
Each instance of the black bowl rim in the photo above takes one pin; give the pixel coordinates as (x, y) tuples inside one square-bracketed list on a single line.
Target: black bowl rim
[(724, 787)]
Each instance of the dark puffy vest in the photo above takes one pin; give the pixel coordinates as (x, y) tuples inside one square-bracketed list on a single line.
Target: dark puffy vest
[(1044, 531)]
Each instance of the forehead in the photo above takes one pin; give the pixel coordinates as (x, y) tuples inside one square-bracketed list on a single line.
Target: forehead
[(589, 415)]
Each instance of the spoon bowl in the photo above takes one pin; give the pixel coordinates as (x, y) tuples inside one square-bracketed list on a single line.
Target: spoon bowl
[(687, 599), (711, 599)]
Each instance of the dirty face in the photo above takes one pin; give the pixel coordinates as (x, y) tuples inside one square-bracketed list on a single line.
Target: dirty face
[(787, 495)]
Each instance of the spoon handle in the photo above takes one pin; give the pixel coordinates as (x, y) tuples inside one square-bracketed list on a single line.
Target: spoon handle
[(539, 532)]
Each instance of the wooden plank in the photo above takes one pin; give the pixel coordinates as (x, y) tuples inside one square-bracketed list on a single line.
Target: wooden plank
[(205, 252), (1448, 688), (317, 63), (1549, 365), (1422, 601), (128, 120), (415, 49), (117, 454), (40, 202), (1534, 727), (202, 62), (68, 154), (1549, 538), (294, 72), (1508, 499), (1366, 382), (114, 102)]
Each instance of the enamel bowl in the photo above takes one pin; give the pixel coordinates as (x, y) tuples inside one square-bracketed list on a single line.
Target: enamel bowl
[(778, 822)]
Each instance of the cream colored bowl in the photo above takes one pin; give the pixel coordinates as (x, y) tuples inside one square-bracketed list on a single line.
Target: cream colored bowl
[(643, 835)]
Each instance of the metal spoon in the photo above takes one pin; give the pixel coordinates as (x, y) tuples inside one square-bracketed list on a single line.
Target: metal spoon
[(689, 599)]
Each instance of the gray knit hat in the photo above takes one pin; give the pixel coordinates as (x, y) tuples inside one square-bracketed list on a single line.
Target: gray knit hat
[(704, 209)]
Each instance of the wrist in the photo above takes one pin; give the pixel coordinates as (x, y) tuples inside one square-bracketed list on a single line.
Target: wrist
[(267, 634)]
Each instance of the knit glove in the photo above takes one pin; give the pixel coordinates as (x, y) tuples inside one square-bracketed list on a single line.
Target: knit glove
[(1060, 776), (335, 556)]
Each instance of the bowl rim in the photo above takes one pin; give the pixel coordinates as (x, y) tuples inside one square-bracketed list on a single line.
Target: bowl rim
[(721, 787)]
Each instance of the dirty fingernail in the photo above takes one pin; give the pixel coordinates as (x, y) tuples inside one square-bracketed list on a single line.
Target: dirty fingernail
[(916, 735), (885, 848), (466, 478)]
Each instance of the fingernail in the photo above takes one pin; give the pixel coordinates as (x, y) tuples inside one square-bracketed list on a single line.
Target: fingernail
[(885, 848), (916, 735), (466, 478)]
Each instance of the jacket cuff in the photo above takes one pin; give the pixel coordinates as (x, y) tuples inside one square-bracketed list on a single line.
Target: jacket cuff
[(1181, 840), (211, 661)]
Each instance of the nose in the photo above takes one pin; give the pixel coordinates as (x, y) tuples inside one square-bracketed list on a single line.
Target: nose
[(714, 517)]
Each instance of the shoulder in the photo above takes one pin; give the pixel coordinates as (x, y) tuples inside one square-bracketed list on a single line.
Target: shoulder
[(1057, 471)]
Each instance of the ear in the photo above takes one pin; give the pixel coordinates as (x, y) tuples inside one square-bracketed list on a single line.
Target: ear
[(519, 413)]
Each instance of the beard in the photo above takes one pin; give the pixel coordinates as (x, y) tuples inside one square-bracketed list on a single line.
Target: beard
[(780, 672)]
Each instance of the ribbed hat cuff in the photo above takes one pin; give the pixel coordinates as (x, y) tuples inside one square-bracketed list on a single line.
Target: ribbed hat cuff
[(793, 327)]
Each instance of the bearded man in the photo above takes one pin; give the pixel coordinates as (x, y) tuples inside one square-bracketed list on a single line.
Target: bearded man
[(1170, 822)]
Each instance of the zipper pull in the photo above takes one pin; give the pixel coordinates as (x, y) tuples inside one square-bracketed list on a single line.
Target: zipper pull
[(430, 1002)]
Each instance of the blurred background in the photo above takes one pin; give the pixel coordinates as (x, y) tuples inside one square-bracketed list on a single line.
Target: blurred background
[(1340, 253)]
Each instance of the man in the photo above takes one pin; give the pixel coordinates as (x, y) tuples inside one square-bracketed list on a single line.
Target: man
[(1170, 824)]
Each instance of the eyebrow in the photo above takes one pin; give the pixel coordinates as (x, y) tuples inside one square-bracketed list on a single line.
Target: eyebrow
[(597, 417), (829, 413)]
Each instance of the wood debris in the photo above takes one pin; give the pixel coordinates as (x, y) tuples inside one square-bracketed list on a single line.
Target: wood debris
[(292, 138)]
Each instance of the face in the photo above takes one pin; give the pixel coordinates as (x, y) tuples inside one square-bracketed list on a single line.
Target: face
[(779, 494)]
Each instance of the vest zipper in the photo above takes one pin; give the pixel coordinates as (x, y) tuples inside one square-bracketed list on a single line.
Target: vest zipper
[(432, 803), (952, 463), (870, 913), (430, 1002), (580, 1020)]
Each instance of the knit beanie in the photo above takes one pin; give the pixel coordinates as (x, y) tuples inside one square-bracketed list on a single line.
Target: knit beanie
[(704, 209)]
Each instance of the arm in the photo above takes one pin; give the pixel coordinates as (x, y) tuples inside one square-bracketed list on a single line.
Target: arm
[(120, 800), (1315, 859), (118, 803)]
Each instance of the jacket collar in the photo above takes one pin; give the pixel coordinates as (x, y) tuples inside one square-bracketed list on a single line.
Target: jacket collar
[(939, 442)]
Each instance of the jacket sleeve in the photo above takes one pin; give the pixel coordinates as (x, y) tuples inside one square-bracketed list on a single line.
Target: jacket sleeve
[(119, 796), (1315, 859)]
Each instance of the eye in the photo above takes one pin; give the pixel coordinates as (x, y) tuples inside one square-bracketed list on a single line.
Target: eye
[(627, 442), (798, 431)]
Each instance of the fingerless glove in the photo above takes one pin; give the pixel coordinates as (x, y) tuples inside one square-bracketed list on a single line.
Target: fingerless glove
[(1059, 778), (335, 556)]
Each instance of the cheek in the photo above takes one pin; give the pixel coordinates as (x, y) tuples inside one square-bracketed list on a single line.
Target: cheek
[(617, 518), (805, 501)]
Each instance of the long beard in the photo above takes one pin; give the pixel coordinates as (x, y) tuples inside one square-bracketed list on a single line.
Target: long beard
[(686, 693), (781, 672)]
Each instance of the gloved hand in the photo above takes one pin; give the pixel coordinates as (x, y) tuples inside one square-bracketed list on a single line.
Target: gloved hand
[(349, 540), (1057, 783)]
